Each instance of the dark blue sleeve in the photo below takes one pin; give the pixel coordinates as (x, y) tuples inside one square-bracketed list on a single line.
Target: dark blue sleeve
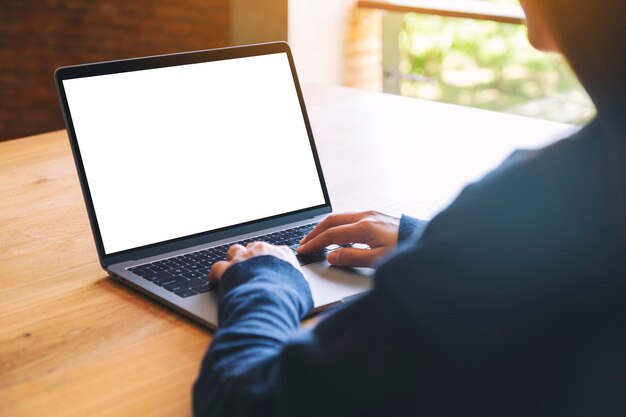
[(410, 227), (261, 303), (259, 365)]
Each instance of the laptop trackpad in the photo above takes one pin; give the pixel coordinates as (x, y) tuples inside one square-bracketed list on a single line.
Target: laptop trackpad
[(330, 284)]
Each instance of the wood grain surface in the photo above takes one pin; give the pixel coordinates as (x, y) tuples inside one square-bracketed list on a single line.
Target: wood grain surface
[(75, 343)]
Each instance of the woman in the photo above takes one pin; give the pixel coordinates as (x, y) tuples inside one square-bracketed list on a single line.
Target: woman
[(510, 302)]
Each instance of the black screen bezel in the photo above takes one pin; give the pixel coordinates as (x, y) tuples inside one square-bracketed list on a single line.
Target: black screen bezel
[(162, 61)]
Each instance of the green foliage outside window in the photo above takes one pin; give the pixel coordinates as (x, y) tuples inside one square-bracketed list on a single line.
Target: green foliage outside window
[(487, 65)]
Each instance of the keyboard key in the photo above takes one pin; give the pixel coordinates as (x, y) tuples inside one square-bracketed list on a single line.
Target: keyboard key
[(171, 264), (142, 270), (162, 274), (158, 268), (206, 287), (178, 271), (212, 261), (151, 277), (194, 283), (310, 259), (193, 275), (193, 267), (168, 280), (177, 286), (185, 293)]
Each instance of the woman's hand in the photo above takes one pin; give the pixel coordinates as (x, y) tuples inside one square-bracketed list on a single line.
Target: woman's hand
[(378, 231), (237, 253)]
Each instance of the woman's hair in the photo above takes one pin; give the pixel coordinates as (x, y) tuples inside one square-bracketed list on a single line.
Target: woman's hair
[(591, 36)]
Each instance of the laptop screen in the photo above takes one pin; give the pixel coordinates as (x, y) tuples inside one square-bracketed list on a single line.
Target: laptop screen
[(181, 150)]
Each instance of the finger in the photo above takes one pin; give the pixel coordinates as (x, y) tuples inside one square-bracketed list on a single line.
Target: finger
[(257, 245), (233, 251), (355, 257), (339, 235), (217, 270), (256, 249), (286, 252), (332, 221)]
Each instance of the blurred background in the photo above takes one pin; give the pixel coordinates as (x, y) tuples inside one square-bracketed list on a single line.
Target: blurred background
[(487, 64), (467, 52)]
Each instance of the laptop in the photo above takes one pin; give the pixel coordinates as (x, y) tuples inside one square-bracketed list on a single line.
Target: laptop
[(180, 156)]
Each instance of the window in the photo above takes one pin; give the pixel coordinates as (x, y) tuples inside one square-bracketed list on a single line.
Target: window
[(476, 62)]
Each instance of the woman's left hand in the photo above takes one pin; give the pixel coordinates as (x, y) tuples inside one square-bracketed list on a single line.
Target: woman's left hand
[(238, 253)]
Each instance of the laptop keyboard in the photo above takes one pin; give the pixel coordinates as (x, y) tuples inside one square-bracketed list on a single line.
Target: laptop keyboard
[(187, 275)]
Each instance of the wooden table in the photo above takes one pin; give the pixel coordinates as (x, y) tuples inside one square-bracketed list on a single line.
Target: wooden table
[(75, 343)]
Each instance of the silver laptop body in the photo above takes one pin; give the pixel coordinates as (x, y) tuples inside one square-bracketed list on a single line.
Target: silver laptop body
[(180, 155)]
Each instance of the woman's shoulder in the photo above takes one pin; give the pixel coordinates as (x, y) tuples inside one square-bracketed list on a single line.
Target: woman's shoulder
[(542, 220), (537, 208), (571, 174)]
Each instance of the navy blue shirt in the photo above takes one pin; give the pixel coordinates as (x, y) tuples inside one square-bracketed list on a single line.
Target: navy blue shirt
[(512, 301)]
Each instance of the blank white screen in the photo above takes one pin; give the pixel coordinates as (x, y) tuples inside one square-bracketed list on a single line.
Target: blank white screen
[(176, 151)]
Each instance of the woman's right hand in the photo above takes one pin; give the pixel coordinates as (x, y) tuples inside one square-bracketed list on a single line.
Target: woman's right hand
[(377, 230)]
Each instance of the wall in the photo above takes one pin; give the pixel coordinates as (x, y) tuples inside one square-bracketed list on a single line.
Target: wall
[(317, 32), (36, 37), (335, 43), (255, 21)]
